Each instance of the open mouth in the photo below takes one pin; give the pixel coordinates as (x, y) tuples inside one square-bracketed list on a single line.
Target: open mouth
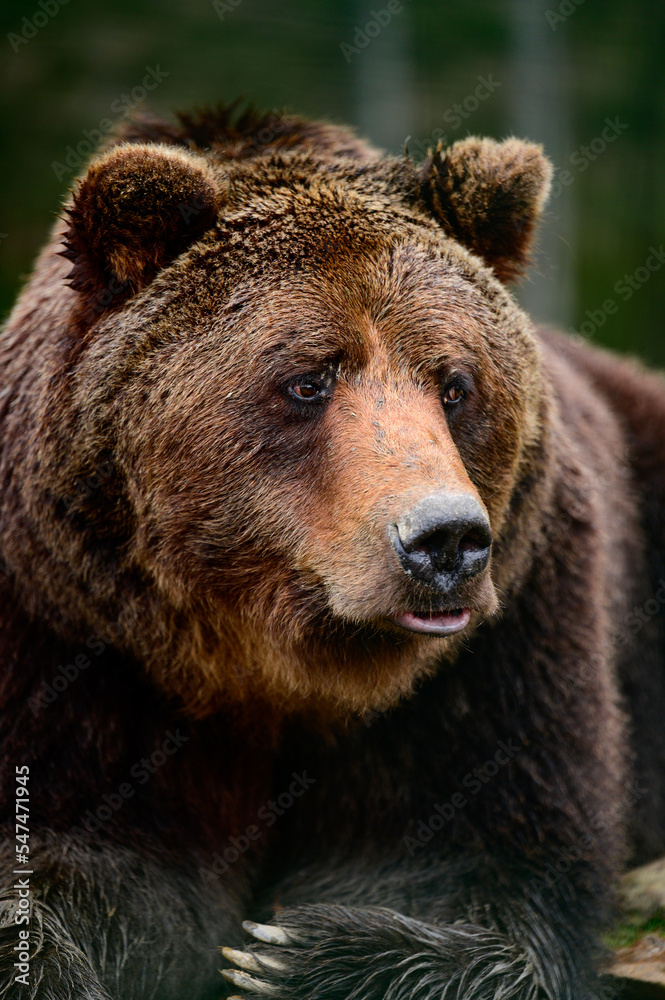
[(434, 623)]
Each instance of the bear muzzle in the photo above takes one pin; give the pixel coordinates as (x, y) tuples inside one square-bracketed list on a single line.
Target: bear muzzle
[(442, 542)]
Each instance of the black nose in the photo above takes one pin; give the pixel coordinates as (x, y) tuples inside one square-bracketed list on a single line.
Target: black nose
[(443, 540)]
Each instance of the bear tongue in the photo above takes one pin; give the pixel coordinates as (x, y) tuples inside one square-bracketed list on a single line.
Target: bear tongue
[(434, 623)]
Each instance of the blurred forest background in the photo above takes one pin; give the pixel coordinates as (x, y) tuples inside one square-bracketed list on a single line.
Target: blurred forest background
[(584, 78)]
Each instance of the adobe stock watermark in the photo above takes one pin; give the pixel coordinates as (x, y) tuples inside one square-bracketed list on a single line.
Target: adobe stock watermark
[(224, 7), (624, 630), (456, 115), (31, 26), (474, 782), (274, 125), (564, 860), (625, 288), (5, 571), (635, 620), (612, 990), (190, 211), (565, 9), (113, 291), (141, 771), (121, 107), (362, 36), (267, 814), (587, 154), (84, 487), (66, 673), (605, 477)]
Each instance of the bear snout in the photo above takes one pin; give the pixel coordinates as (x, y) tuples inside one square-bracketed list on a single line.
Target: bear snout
[(443, 540)]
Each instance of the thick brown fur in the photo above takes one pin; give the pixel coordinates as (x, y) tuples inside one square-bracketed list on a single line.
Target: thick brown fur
[(219, 550)]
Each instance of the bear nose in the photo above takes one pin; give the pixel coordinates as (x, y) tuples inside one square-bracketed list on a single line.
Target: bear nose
[(443, 540)]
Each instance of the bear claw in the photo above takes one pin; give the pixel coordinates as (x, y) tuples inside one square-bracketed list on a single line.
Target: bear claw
[(258, 963), (267, 933), (249, 983), (244, 960)]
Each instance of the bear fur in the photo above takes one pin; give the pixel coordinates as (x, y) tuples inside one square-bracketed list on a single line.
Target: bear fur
[(252, 361)]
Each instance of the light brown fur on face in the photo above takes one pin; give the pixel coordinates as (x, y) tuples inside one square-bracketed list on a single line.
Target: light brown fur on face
[(267, 534), (242, 545)]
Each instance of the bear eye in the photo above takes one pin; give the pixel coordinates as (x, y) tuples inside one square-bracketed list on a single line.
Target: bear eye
[(313, 388), (307, 389), (453, 394)]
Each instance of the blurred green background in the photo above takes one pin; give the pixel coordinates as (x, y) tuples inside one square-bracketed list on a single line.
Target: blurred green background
[(583, 77)]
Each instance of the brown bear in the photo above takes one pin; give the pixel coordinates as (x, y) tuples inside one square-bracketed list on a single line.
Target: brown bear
[(328, 584)]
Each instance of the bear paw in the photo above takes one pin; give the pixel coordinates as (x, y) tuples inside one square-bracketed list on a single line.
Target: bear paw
[(257, 961), (328, 952)]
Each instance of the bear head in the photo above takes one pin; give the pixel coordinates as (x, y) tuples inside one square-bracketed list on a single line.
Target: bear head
[(287, 419)]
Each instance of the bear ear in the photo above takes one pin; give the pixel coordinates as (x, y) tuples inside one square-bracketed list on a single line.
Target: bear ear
[(138, 207), (489, 196)]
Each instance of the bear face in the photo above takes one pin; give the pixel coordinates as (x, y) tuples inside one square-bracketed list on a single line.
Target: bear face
[(294, 372)]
